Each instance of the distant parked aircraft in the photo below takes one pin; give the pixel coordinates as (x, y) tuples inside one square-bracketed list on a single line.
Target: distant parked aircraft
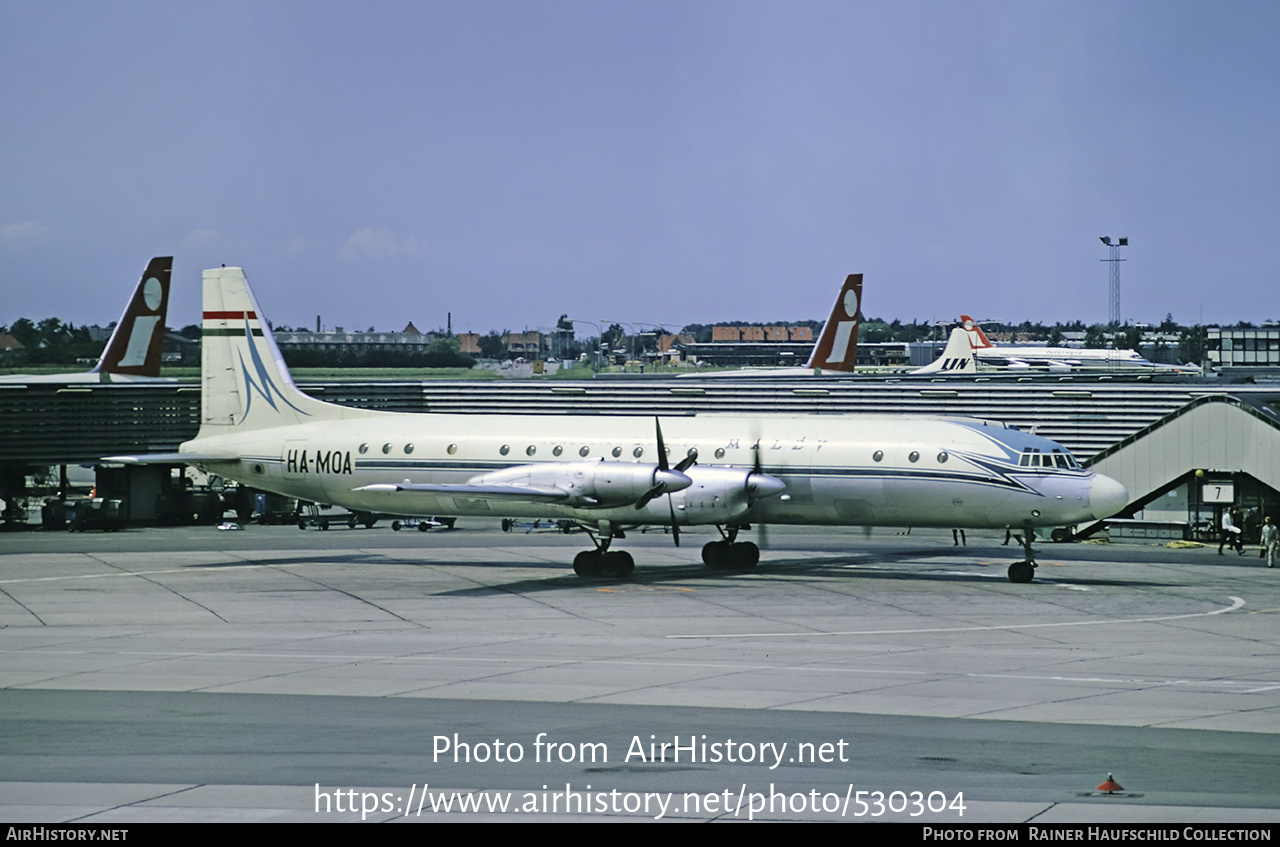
[(1054, 359)]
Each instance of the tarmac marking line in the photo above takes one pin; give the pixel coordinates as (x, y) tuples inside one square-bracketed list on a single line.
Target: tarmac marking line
[(1236, 604)]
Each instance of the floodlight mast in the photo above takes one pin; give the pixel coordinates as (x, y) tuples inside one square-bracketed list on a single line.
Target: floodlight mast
[(1114, 286)]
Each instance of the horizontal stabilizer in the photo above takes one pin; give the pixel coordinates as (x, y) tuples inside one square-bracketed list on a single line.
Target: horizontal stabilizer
[(170, 458)]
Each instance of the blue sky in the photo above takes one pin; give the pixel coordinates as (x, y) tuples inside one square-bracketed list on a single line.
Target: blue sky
[(653, 162)]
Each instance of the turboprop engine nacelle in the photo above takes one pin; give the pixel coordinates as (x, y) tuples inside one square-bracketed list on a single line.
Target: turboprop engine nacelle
[(598, 483), (716, 495)]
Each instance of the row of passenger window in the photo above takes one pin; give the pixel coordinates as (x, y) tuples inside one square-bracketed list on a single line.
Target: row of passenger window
[(532, 449), (913, 456), (637, 452)]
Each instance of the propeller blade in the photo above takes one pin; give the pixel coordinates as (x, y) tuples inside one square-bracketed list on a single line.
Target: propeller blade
[(662, 448), (665, 476), (665, 480), (675, 528), (650, 495), (759, 486)]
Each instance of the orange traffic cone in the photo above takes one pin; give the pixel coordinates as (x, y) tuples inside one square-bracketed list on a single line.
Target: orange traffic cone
[(1110, 785)]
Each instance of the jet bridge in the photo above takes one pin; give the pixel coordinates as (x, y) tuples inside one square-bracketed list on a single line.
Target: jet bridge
[(1216, 452)]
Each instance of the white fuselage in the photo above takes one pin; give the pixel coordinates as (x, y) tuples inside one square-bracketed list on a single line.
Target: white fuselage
[(846, 470), (1069, 358), (81, 378)]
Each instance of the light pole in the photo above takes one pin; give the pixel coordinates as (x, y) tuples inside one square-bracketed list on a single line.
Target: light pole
[(1114, 286), (634, 333), (595, 353)]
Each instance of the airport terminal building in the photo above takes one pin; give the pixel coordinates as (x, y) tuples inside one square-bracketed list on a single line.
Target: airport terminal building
[(1231, 347)]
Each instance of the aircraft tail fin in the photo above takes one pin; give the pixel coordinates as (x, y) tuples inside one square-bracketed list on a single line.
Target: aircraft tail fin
[(246, 382), (837, 347), (136, 344), (957, 358), (976, 335)]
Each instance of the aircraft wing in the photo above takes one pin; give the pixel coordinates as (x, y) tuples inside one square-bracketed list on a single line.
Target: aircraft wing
[(512, 493), (1053, 365)]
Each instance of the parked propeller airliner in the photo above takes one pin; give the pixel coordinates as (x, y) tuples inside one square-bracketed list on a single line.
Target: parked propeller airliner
[(611, 474)]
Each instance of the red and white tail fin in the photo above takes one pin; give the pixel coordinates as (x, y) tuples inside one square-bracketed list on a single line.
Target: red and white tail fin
[(976, 335), (135, 345), (957, 358), (837, 347)]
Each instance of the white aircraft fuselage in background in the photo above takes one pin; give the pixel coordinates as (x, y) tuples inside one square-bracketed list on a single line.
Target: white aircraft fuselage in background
[(605, 472), (1058, 359)]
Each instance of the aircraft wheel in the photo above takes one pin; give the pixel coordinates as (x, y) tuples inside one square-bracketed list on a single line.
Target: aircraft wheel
[(587, 563), (506, 524), (716, 555), (302, 524), (324, 524), (746, 555), (617, 564), (1021, 572), (424, 526), (395, 526)]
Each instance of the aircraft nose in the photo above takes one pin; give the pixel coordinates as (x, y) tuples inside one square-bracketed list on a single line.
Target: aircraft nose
[(1106, 496)]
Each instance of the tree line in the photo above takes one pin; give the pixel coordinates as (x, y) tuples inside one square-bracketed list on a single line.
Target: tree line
[(54, 342)]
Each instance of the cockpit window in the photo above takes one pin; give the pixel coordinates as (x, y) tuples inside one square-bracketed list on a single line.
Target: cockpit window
[(1033, 458)]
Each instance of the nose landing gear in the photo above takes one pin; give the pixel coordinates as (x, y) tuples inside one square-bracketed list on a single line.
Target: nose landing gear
[(1025, 570)]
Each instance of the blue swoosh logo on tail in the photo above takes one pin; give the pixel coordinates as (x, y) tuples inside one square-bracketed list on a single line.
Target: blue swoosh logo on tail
[(264, 385)]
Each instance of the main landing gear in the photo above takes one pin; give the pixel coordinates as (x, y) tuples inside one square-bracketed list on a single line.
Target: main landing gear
[(729, 553), (1025, 570), (617, 564), (723, 555)]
